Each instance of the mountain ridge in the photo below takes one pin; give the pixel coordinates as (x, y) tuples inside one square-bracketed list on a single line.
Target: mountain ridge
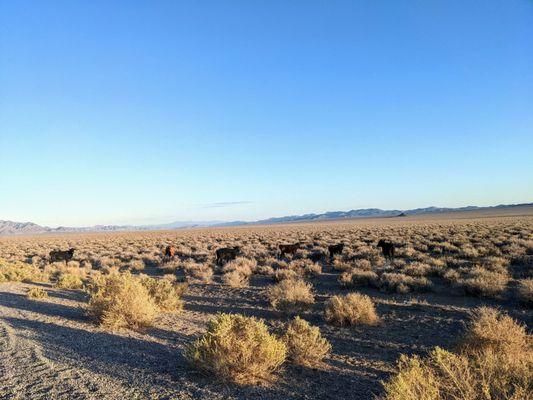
[(11, 228)]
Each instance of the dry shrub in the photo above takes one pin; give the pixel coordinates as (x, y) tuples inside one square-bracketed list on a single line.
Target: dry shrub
[(36, 293), (417, 269), (291, 296), (19, 272), (482, 282), (362, 264), (136, 265), (284, 274), (265, 270), (305, 344), (305, 267), (359, 278), (166, 292), (237, 348), (525, 291), (237, 273), (352, 309), (198, 272), (69, 281), (495, 363), (489, 328), (452, 275), (122, 301), (401, 283), (341, 265)]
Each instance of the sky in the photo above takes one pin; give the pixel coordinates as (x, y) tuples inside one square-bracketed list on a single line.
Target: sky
[(153, 111)]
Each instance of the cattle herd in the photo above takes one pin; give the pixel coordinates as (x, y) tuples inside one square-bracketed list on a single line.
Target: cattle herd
[(226, 254)]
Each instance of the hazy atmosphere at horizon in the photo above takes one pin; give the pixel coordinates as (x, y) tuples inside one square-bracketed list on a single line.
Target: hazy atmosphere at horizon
[(150, 112)]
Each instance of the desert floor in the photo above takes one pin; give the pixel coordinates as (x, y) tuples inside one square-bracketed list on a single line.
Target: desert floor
[(50, 349)]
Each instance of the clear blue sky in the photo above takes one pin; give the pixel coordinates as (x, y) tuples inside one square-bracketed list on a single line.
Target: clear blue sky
[(153, 111)]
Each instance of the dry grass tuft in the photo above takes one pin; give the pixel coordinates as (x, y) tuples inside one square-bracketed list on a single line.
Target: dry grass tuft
[(482, 282), (305, 344), (291, 296), (166, 292), (525, 291), (19, 272), (36, 293), (358, 277), (122, 301), (489, 328), (237, 273), (495, 364), (237, 348), (69, 281), (401, 283), (352, 309)]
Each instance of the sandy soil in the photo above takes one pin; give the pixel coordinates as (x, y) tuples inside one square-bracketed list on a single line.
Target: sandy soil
[(50, 350)]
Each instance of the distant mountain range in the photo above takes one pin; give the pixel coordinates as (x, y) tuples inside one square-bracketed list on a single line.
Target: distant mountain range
[(8, 228)]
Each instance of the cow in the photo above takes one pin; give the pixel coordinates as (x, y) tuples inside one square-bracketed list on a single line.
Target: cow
[(387, 248), (170, 251), (317, 256), (288, 248), (61, 255), (335, 249), (227, 254)]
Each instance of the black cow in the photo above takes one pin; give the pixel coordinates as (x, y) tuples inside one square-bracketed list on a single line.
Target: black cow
[(288, 248), (335, 249), (387, 248), (61, 255), (317, 256), (227, 254)]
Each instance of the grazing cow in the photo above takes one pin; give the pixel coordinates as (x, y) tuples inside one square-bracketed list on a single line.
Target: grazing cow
[(170, 251), (61, 255), (317, 256), (387, 248), (288, 248), (227, 254), (335, 249)]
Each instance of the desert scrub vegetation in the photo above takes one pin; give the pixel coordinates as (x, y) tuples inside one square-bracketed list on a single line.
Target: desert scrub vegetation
[(494, 361), (237, 273), (401, 283), (358, 277), (198, 272), (291, 296), (239, 349), (479, 281), (491, 329), (525, 292), (36, 293), (69, 281), (351, 309), (305, 344), (20, 272), (165, 292), (122, 301)]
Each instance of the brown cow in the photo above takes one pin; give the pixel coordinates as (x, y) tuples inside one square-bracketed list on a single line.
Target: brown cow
[(227, 254), (61, 255), (170, 251), (387, 248), (288, 248), (335, 249)]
